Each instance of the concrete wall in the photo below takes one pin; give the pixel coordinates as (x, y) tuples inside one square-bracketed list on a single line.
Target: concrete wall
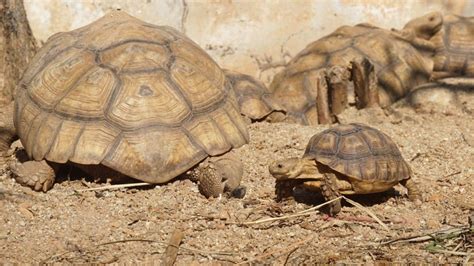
[(252, 36)]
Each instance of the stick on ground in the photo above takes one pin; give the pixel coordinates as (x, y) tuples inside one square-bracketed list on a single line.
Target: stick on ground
[(298, 214), (115, 186), (171, 252), (366, 210)]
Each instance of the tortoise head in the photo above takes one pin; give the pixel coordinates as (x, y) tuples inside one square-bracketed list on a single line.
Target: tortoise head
[(425, 26), (293, 168)]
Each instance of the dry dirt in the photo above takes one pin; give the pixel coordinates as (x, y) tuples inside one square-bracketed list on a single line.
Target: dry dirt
[(135, 224)]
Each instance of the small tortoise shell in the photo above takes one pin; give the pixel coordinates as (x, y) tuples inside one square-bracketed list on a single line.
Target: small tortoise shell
[(360, 152)]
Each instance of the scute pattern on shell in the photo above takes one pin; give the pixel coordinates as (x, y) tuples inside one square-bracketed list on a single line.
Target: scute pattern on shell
[(141, 99), (360, 152), (399, 67), (455, 46), (252, 95)]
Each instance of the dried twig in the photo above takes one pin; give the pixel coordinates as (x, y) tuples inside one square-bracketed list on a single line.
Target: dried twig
[(115, 187), (452, 174), (468, 258), (288, 255), (298, 214), (445, 233), (190, 250), (366, 210), (418, 154), (457, 253), (281, 252), (171, 252)]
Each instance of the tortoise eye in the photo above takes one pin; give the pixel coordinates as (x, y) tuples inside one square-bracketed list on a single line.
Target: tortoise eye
[(280, 165)]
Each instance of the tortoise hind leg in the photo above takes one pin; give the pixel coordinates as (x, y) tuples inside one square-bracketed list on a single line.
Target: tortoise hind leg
[(38, 175), (414, 193), (220, 174)]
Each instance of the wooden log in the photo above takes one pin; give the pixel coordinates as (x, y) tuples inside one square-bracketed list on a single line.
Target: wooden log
[(17, 46), (338, 82), (171, 252), (324, 115), (365, 83)]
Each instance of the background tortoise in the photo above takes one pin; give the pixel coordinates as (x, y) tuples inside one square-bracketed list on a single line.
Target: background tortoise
[(121, 96), (398, 66), (447, 95), (253, 96), (345, 159), (451, 40)]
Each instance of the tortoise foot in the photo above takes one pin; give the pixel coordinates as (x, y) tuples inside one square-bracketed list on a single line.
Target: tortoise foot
[(38, 175), (334, 208)]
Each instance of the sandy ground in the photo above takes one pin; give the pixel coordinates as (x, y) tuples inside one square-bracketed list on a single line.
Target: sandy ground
[(134, 225)]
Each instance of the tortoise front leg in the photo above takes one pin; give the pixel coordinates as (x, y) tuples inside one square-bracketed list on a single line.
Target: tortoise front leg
[(284, 189), (330, 191)]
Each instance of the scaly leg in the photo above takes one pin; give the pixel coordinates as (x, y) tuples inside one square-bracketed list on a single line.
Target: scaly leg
[(331, 191), (414, 193), (220, 174), (38, 175)]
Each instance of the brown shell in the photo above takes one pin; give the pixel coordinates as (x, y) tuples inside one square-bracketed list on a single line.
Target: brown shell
[(455, 46), (252, 95), (360, 152), (398, 66), (141, 99)]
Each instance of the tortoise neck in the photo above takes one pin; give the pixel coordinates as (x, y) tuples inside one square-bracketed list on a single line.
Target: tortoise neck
[(307, 166)]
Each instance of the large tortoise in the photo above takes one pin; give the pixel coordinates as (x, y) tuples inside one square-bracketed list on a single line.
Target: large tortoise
[(398, 67), (346, 159), (448, 40), (124, 97)]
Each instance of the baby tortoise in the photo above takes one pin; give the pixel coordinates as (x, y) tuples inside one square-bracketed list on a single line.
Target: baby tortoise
[(346, 159)]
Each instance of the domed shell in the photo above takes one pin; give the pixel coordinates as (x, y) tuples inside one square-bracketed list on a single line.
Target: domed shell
[(252, 95), (360, 152), (455, 46), (399, 67), (141, 99)]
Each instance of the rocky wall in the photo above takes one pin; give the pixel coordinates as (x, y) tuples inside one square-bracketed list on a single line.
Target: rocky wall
[(254, 37)]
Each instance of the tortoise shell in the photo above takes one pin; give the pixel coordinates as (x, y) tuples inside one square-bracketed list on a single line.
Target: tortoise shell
[(141, 99), (360, 152), (398, 66), (454, 44), (252, 95)]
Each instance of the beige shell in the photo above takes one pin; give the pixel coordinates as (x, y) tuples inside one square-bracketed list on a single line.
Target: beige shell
[(141, 99), (360, 152), (399, 67), (455, 46), (252, 95)]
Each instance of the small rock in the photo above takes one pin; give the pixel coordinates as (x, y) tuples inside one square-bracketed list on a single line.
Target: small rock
[(433, 224), (435, 198)]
